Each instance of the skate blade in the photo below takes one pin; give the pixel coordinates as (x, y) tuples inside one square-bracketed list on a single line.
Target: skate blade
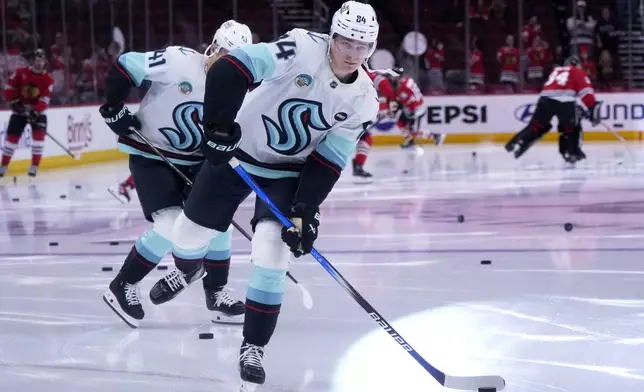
[(247, 386), (111, 301), (362, 181), (221, 318), (117, 195)]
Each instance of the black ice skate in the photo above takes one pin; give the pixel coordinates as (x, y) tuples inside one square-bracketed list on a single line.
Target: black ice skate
[(3, 171), (173, 283), (124, 300), (226, 310), (251, 366), (120, 192), (33, 171), (438, 138), (360, 175), (408, 143), (574, 158)]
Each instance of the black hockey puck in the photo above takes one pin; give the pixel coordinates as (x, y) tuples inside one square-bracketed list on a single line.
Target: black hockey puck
[(114, 243), (486, 262), (53, 243), (162, 267), (15, 180), (474, 154), (405, 171), (206, 335), (106, 269), (78, 187), (568, 227), (63, 196), (15, 199), (460, 219)]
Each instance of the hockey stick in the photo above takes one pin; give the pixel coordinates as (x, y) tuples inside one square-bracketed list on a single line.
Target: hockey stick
[(621, 139), (74, 156), (306, 296), (476, 383)]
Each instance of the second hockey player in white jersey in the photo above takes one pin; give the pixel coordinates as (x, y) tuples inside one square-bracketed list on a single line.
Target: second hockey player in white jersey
[(170, 117), (294, 134)]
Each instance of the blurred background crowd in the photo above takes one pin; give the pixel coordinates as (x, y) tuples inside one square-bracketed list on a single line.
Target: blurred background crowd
[(448, 46)]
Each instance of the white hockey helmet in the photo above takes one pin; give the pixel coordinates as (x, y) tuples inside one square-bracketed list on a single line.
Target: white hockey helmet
[(231, 35), (356, 21)]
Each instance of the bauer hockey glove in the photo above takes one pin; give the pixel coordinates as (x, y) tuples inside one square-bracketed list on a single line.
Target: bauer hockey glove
[(220, 142), (301, 236), (593, 113), (119, 118)]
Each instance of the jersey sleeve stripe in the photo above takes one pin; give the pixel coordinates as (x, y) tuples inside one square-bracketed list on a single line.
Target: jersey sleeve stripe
[(132, 65), (257, 59), (241, 67), (587, 90), (336, 149)]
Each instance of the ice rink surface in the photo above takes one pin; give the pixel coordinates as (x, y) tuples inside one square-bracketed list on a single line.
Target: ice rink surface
[(555, 311)]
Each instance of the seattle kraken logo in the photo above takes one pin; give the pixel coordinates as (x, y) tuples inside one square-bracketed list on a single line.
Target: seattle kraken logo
[(187, 119), (296, 118)]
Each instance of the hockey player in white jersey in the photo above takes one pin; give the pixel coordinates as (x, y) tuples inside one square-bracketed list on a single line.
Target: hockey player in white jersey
[(294, 134), (170, 116)]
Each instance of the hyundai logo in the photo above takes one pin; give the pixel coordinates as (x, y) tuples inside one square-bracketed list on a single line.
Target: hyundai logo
[(524, 112)]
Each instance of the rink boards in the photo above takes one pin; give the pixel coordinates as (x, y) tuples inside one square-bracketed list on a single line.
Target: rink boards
[(466, 119)]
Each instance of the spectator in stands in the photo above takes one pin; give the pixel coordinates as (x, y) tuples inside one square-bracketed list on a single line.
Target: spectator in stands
[(581, 27), (455, 14), (478, 12), (477, 70), (531, 30), (508, 56), (435, 56), (606, 32), (11, 60), (60, 70), (559, 56), (589, 66), (256, 39), (606, 70), (499, 11), (538, 58)]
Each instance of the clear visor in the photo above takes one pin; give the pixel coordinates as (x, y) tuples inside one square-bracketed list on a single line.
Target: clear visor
[(351, 47), (213, 50)]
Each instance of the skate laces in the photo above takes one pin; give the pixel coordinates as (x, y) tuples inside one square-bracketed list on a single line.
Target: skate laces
[(132, 295), (175, 280), (252, 355), (223, 298)]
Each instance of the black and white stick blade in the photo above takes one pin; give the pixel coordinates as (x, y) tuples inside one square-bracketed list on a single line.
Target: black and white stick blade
[(475, 383)]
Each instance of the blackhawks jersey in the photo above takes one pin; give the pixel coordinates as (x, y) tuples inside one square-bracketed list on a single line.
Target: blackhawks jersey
[(171, 112), (300, 106), (31, 88), (566, 84)]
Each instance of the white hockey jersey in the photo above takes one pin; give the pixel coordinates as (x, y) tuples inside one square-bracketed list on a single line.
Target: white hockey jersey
[(300, 106), (171, 112)]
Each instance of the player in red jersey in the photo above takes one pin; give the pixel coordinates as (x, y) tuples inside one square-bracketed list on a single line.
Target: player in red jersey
[(558, 98), (28, 92), (410, 103), (121, 192)]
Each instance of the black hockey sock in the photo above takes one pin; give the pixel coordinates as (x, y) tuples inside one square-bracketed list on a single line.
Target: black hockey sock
[(135, 267), (216, 273), (260, 322)]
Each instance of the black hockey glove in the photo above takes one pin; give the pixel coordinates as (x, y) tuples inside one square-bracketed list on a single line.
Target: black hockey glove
[(593, 113), (300, 237), (220, 142), (119, 118), (17, 107)]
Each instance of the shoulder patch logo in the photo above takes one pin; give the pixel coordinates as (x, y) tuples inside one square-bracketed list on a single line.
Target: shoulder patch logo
[(185, 88), (303, 80), (340, 116)]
